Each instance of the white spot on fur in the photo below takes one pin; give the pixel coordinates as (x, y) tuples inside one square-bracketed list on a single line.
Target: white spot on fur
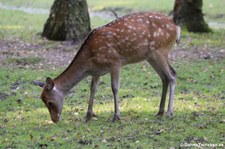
[(160, 30), (152, 43), (154, 25), (139, 20), (167, 35), (133, 39), (167, 26)]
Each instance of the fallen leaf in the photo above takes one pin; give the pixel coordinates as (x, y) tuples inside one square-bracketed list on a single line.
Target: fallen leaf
[(53, 138), (3, 96), (159, 131), (104, 141), (222, 121), (85, 142)]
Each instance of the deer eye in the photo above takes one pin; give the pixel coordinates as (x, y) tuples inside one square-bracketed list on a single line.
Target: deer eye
[(51, 105)]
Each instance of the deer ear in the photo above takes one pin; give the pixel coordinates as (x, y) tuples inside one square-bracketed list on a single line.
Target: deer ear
[(49, 84)]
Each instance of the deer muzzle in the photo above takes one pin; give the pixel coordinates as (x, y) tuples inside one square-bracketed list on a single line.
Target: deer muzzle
[(56, 118)]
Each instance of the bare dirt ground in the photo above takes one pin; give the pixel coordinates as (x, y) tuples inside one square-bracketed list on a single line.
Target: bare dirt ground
[(197, 53), (60, 54)]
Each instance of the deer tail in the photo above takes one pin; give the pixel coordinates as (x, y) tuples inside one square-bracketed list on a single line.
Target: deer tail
[(178, 29)]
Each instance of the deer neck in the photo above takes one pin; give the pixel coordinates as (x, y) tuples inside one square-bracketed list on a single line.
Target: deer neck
[(74, 73)]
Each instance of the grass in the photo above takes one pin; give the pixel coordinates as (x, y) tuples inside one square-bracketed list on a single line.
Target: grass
[(199, 99), (198, 118), (20, 25), (162, 5), (213, 9), (24, 3), (214, 39), (210, 8), (17, 24), (24, 61)]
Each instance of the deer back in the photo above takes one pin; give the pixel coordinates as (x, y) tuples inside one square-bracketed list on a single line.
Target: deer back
[(132, 38)]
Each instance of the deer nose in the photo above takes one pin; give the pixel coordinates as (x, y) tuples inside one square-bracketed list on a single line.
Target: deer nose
[(57, 118)]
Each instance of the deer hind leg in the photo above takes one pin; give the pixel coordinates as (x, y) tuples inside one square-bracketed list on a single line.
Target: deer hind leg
[(168, 76), (172, 78), (114, 72), (90, 113)]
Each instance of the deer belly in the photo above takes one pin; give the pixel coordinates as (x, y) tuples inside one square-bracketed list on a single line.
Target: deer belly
[(135, 56)]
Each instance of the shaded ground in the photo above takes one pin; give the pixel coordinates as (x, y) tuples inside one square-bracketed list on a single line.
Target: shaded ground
[(197, 52), (22, 53), (62, 53)]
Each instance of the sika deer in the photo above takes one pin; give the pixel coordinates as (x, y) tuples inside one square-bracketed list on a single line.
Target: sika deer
[(129, 39)]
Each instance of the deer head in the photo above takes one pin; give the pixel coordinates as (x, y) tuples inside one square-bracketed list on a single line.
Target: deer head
[(53, 100)]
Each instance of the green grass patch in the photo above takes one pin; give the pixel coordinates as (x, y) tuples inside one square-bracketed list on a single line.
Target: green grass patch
[(214, 9), (32, 4), (97, 21), (24, 60), (198, 118), (20, 25), (163, 5), (213, 39)]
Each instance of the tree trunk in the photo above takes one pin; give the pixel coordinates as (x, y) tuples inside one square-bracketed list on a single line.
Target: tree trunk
[(68, 20), (189, 13)]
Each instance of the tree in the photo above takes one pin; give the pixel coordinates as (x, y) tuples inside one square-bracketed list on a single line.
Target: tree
[(189, 13), (68, 20)]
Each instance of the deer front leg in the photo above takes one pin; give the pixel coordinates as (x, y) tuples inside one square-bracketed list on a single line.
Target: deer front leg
[(115, 88), (90, 113)]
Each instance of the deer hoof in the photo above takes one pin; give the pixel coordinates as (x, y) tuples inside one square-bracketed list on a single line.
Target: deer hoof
[(89, 116)]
